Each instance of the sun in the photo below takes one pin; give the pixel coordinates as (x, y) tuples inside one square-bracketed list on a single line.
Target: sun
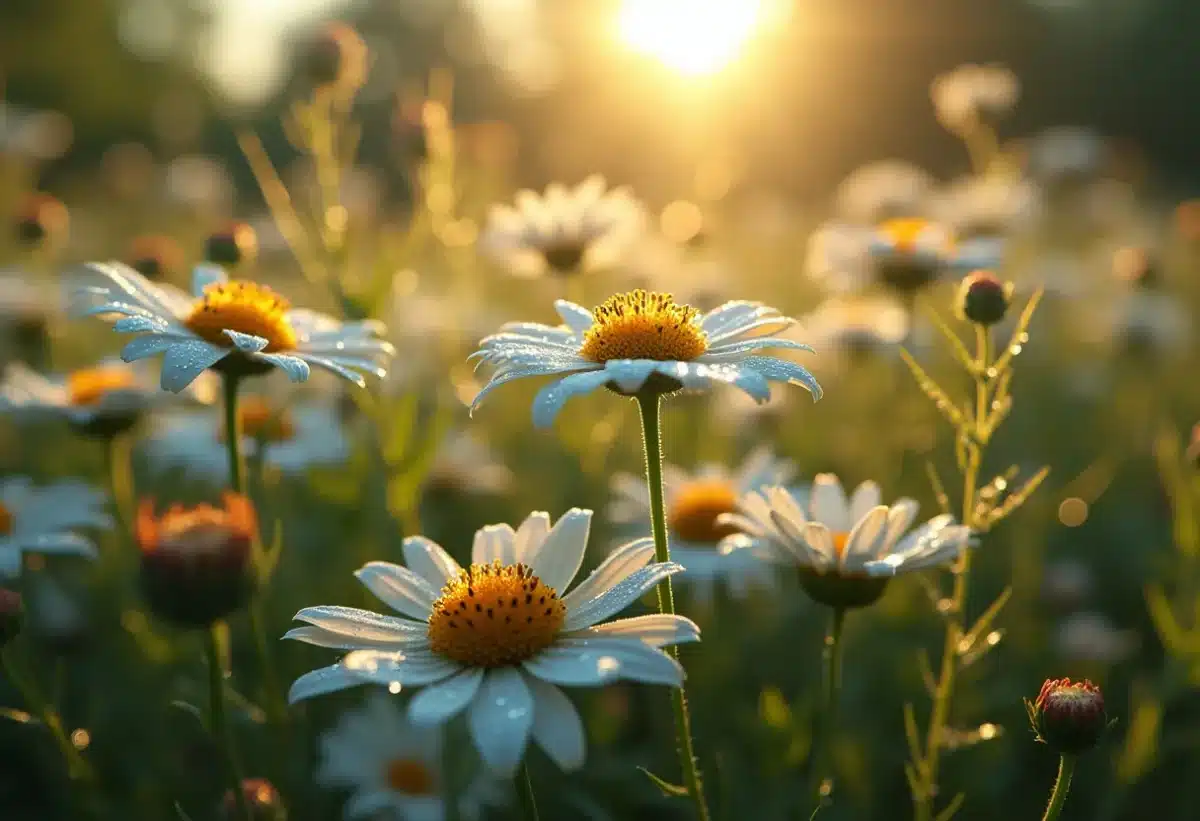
[(694, 37)]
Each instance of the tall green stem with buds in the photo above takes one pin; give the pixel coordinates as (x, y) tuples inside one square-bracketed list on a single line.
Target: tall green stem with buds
[(649, 404), (983, 302)]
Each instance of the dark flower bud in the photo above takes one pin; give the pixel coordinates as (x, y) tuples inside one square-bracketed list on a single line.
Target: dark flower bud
[(983, 298), (234, 244), (195, 567), (41, 220), (12, 610), (336, 58), (155, 256), (262, 800), (1068, 716)]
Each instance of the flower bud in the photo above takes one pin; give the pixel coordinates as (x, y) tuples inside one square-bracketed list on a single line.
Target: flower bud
[(983, 298), (234, 244), (336, 58), (262, 800), (195, 567), (41, 220), (155, 256), (1068, 716), (12, 615)]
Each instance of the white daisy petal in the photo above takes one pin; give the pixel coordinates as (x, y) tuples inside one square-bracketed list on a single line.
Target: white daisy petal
[(247, 343), (530, 536), (575, 317), (441, 702), (321, 681), (656, 629), (550, 399), (354, 624), (501, 718), (297, 369), (865, 497), (557, 727), (399, 588), (205, 275), (619, 596), (620, 564), (408, 668), (426, 558), (494, 543), (151, 345), (592, 662), (828, 504), (321, 637), (900, 518), (866, 540), (187, 359), (557, 559), (59, 544)]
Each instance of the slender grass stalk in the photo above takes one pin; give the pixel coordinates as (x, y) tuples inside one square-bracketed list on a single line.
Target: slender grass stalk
[(77, 767), (529, 810), (220, 723), (956, 624), (1062, 785), (649, 404), (822, 771)]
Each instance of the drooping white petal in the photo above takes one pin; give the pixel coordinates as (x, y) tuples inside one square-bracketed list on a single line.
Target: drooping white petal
[(294, 367), (575, 317), (501, 718), (550, 399), (557, 559), (187, 359), (557, 727), (440, 702), (321, 681), (246, 343), (399, 588)]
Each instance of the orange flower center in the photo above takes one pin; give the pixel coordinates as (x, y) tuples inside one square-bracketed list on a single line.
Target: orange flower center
[(495, 615), (259, 420), (90, 386), (839, 543), (6, 520), (644, 325), (693, 511), (906, 233), (410, 777), (246, 307)]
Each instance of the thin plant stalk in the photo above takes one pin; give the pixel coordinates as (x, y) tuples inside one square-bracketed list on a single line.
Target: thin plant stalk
[(220, 723), (956, 625), (529, 810), (118, 457), (649, 404), (822, 771), (233, 434), (43, 710), (1062, 785)]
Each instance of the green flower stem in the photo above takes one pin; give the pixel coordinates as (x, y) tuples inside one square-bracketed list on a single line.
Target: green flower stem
[(77, 766), (529, 810), (650, 406), (826, 730), (1062, 785), (220, 723), (944, 691), (119, 457), (233, 434)]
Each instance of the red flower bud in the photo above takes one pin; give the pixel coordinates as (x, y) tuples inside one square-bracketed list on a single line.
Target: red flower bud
[(1068, 716), (983, 298)]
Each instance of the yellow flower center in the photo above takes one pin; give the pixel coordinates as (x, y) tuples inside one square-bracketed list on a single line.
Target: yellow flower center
[(904, 232), (259, 420), (644, 325), (90, 386), (404, 775), (246, 307), (839, 543), (6, 520), (495, 615), (693, 512)]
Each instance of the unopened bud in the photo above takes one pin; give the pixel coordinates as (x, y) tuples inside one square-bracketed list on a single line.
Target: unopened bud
[(234, 244), (1068, 716), (336, 58), (983, 298)]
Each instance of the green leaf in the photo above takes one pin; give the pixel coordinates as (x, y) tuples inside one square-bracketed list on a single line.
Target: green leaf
[(941, 400), (666, 787), (967, 643)]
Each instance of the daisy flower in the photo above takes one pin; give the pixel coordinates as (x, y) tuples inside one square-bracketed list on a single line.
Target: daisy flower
[(392, 765), (695, 503), (644, 341), (858, 325), (233, 326), (971, 94), (45, 520), (985, 212), (904, 254), (564, 231), (104, 400), (497, 638), (292, 437), (846, 548), (466, 463)]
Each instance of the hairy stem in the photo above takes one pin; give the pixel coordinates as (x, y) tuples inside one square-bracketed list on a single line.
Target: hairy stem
[(649, 404), (1062, 785)]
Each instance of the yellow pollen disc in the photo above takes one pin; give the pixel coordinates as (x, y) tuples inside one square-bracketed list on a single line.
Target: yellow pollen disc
[(692, 514), (495, 615), (89, 387), (259, 420), (904, 232), (409, 777), (6, 521), (839, 543), (246, 307), (644, 325)]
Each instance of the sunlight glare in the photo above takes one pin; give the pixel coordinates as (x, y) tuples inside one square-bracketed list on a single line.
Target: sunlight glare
[(694, 37)]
